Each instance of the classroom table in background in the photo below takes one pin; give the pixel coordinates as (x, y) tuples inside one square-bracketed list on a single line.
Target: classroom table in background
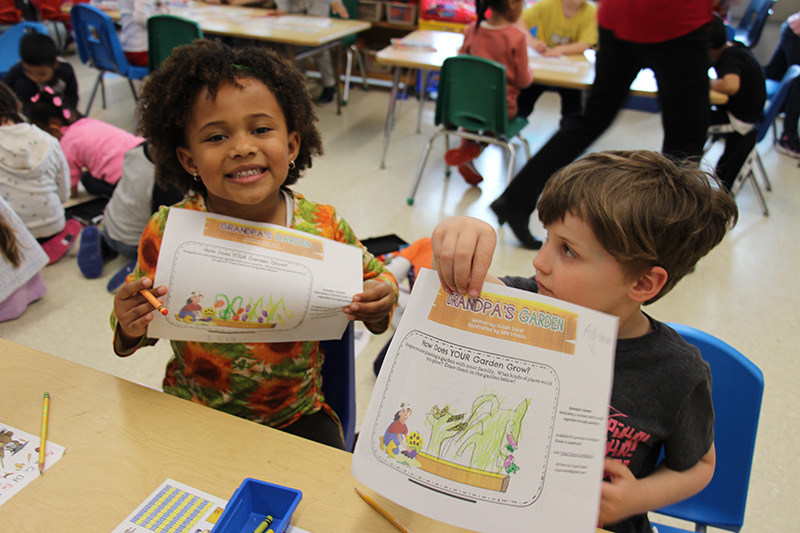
[(428, 50), (123, 440), (318, 34)]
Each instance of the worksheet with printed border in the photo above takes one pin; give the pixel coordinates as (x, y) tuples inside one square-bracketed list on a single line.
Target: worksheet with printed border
[(19, 459), (233, 280), (490, 413)]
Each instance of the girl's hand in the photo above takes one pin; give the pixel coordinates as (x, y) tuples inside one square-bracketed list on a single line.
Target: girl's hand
[(372, 305), (462, 253), (539, 45), (133, 310), (619, 496)]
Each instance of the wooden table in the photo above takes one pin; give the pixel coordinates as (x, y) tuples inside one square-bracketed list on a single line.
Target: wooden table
[(123, 440), (259, 24), (556, 73)]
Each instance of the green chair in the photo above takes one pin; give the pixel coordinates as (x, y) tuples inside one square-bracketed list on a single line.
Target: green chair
[(349, 46), (165, 32), (472, 104)]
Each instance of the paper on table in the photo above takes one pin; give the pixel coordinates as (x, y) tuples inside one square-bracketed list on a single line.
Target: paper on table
[(233, 280), (506, 425), (177, 508), (19, 459)]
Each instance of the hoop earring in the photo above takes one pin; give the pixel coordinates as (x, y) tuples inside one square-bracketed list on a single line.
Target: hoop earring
[(292, 165), (196, 177)]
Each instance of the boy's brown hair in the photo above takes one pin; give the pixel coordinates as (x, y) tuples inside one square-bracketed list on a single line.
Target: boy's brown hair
[(645, 209)]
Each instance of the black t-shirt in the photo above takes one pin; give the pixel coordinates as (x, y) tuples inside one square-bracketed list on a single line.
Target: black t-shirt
[(748, 102), (64, 84), (661, 397)]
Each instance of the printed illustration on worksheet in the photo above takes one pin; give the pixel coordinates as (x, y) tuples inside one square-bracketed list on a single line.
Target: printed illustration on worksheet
[(475, 447), (19, 459)]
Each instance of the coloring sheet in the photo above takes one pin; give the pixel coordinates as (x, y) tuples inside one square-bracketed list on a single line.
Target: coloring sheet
[(233, 280), (19, 459), (490, 413), (177, 508)]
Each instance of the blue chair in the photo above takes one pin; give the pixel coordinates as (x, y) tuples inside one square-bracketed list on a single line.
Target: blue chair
[(99, 47), (738, 386), (471, 104), (339, 382), (9, 43), (748, 32)]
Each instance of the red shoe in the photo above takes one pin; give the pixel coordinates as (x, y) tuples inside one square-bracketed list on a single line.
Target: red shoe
[(468, 151), (470, 173), (59, 245)]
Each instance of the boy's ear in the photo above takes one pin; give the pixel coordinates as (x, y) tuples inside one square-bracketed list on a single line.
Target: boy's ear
[(649, 284), (186, 159)]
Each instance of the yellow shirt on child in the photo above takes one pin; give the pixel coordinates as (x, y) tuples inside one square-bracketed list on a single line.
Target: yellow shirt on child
[(555, 29)]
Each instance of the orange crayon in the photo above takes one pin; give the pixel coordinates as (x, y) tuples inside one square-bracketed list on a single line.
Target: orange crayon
[(154, 301)]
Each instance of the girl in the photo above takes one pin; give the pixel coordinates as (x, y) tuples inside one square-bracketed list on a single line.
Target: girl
[(34, 178), (87, 143), (133, 15), (21, 259), (499, 40), (233, 128)]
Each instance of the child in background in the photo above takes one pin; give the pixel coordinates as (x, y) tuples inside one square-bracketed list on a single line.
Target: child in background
[(623, 229), (34, 178), (786, 54), (22, 259), (134, 200), (318, 8), (88, 143), (233, 128), (133, 15), (565, 27), (740, 77), (40, 67), (500, 40)]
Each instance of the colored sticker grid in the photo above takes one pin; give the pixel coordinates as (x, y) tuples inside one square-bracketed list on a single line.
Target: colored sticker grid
[(172, 510)]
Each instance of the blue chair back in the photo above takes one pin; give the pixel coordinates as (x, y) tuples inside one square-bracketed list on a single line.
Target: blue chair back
[(776, 99), (752, 24), (339, 381), (9, 43), (98, 43), (738, 386)]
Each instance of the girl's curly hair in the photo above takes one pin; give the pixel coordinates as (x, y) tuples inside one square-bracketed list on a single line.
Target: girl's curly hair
[(168, 95)]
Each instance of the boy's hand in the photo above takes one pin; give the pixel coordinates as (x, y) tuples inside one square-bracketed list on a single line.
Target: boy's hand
[(539, 45), (462, 253), (620, 495), (133, 311), (372, 305)]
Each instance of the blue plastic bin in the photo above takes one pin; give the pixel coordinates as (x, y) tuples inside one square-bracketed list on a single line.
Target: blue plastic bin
[(252, 502)]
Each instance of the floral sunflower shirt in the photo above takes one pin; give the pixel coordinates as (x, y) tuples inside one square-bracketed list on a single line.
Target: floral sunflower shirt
[(269, 383)]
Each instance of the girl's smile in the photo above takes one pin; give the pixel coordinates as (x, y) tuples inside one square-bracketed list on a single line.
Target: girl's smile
[(239, 146)]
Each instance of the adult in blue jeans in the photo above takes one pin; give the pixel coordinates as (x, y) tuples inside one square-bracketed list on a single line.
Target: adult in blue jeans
[(669, 37), (787, 54)]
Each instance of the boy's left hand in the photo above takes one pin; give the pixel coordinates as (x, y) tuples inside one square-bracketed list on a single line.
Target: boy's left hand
[(619, 496), (372, 305)]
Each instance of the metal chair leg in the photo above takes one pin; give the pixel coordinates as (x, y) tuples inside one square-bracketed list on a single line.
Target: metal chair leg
[(103, 89), (361, 67), (511, 162), (347, 72), (423, 160), (133, 90), (767, 184), (759, 194)]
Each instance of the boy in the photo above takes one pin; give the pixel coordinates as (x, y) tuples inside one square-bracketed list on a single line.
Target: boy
[(40, 67), (740, 77), (623, 228), (565, 27)]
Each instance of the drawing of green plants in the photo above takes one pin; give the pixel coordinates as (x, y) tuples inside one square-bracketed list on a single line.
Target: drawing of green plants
[(259, 311), (484, 439)]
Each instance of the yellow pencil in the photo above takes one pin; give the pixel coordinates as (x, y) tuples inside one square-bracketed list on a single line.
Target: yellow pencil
[(154, 301), (395, 522), (43, 439)]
